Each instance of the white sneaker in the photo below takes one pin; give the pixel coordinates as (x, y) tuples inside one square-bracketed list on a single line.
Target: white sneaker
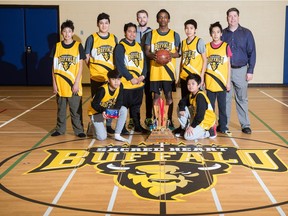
[(120, 138), (207, 134)]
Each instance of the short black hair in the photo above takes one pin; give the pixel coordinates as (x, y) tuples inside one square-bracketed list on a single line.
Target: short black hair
[(130, 24), (67, 24), (195, 77), (192, 22), (102, 16), (161, 11), (113, 74), (232, 9), (216, 24)]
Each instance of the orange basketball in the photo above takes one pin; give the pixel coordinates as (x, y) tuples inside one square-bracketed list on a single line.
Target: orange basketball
[(163, 57)]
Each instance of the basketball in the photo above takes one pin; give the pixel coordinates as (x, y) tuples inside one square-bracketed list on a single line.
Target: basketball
[(163, 57)]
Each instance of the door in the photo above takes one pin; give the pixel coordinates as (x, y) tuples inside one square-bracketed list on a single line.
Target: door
[(30, 32)]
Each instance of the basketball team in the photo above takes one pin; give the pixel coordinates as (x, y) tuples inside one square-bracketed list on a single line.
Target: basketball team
[(144, 61)]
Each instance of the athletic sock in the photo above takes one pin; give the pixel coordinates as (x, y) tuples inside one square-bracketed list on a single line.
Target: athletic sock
[(120, 138)]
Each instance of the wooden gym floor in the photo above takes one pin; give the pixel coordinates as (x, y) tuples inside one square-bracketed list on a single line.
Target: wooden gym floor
[(67, 175)]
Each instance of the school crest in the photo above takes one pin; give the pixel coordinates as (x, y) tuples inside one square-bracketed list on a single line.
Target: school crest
[(66, 61), (106, 51), (163, 45), (135, 57), (214, 61), (188, 55)]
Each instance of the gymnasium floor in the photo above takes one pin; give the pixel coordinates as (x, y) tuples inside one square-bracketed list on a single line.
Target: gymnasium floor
[(67, 175)]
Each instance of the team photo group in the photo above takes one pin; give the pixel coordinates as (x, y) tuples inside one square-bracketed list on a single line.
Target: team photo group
[(140, 70)]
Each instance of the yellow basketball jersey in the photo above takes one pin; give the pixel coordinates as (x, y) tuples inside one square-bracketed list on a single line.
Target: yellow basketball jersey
[(134, 62), (158, 42), (192, 61), (66, 68), (209, 117), (217, 68), (101, 57), (107, 101)]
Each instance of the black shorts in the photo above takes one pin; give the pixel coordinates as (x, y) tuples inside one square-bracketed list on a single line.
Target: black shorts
[(132, 97), (94, 86), (158, 86)]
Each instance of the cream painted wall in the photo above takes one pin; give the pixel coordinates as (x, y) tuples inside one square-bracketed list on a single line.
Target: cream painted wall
[(266, 19)]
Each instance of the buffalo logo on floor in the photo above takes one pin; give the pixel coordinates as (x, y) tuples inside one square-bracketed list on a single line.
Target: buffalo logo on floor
[(162, 172)]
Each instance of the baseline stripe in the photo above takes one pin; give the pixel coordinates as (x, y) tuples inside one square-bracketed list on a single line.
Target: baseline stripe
[(59, 194), (115, 189), (271, 129), (262, 184), (217, 201), (5, 98), (272, 199), (27, 153), (274, 98), (64, 186), (7, 122)]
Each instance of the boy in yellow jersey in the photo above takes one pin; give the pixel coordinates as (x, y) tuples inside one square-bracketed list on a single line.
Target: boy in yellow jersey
[(99, 49), (203, 117), (109, 96), (162, 77), (142, 29), (68, 56), (217, 76), (193, 56), (130, 62)]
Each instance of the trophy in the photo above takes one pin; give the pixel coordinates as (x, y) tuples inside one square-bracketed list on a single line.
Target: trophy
[(160, 133)]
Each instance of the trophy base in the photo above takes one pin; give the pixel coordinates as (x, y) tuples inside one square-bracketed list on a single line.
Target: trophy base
[(163, 135)]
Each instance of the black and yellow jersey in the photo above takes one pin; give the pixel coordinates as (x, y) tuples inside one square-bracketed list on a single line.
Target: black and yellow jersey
[(66, 67), (217, 67), (101, 57)]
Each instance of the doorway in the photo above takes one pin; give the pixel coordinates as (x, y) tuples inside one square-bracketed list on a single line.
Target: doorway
[(27, 35)]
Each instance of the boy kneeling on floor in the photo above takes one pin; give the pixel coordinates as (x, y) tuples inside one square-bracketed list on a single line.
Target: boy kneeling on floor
[(203, 117), (108, 103)]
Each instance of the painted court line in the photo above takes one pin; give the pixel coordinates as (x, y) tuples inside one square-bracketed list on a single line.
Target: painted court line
[(273, 98), (115, 188), (213, 191), (112, 199), (268, 193), (59, 194), (262, 184), (3, 110), (9, 121), (64, 186), (5, 98), (216, 200)]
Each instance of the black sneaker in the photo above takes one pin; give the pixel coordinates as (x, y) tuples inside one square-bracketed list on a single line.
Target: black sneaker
[(142, 130), (170, 124), (56, 133), (110, 130), (148, 122), (81, 135), (226, 132), (178, 132), (125, 131), (213, 132), (131, 124), (247, 130)]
